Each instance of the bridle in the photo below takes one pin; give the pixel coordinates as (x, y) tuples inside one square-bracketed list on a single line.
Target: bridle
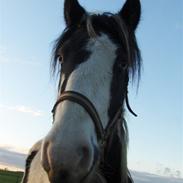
[(102, 134)]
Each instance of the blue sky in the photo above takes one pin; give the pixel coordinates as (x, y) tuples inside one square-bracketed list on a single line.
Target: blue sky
[(27, 91)]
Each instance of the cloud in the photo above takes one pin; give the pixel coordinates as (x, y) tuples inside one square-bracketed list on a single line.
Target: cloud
[(141, 177), (11, 148), (168, 172), (12, 159), (160, 169), (22, 109)]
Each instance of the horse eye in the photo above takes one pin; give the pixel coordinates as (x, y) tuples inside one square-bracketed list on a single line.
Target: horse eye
[(60, 58)]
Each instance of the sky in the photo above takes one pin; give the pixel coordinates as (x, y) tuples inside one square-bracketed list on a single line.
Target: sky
[(27, 90)]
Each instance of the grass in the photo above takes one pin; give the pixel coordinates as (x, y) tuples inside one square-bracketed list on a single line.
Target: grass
[(10, 176)]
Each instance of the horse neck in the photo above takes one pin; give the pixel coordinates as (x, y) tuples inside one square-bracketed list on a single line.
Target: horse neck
[(115, 164)]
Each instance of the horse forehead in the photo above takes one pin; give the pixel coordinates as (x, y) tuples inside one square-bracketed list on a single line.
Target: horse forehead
[(101, 44), (99, 53), (102, 55), (100, 60)]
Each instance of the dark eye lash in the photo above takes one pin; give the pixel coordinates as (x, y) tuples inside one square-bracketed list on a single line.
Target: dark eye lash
[(60, 59)]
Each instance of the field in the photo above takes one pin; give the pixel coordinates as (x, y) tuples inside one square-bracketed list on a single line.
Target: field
[(10, 177)]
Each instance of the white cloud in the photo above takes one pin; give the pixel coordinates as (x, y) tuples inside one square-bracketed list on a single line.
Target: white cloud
[(10, 158), (22, 109), (156, 168), (141, 177), (21, 150)]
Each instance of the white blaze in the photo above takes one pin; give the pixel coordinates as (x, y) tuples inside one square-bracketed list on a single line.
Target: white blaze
[(93, 77)]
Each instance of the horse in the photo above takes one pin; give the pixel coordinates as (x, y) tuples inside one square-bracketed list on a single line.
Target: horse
[(95, 57)]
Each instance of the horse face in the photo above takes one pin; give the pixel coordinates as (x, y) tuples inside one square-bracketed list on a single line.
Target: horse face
[(71, 148), (89, 56)]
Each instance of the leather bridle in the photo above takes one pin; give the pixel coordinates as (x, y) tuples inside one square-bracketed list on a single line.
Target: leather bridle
[(102, 134)]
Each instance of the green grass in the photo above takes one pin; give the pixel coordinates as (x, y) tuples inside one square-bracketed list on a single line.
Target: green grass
[(10, 177)]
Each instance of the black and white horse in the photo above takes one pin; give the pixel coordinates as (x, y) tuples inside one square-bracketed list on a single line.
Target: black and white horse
[(97, 55)]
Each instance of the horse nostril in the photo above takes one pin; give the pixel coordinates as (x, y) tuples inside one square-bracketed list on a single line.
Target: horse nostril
[(57, 177), (85, 151), (84, 154), (64, 175)]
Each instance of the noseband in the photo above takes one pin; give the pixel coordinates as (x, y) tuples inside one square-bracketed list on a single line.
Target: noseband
[(102, 134)]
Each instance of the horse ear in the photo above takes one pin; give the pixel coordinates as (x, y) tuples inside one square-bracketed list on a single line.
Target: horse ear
[(73, 12), (130, 13)]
